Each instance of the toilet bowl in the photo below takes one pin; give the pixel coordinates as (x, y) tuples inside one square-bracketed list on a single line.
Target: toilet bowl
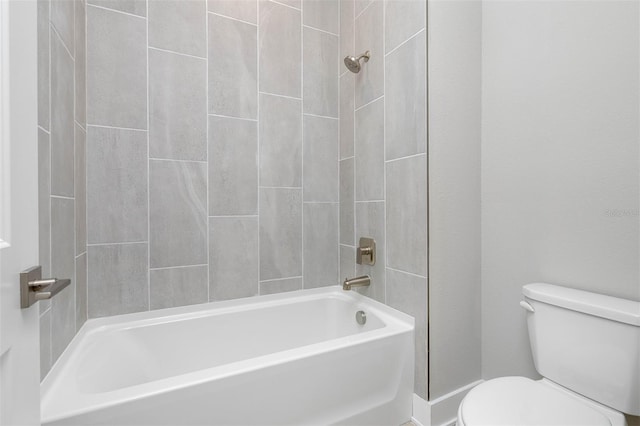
[(587, 348)]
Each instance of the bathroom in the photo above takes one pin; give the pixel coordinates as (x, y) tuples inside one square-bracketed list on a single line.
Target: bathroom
[(196, 157)]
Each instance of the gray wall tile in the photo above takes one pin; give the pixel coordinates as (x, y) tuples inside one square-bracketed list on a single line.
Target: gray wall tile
[(370, 223), (177, 213), (63, 19), (233, 70), (118, 280), (81, 290), (322, 14), (408, 293), (43, 63), (233, 257), (406, 99), (116, 69), (347, 82), (407, 214), (81, 190), (280, 233), (347, 34), (347, 262), (62, 98), (80, 62), (243, 10), (280, 286), (280, 55), (293, 3), (403, 18), (178, 286), (320, 159), (347, 205), (280, 141), (62, 237), (320, 73), (135, 7), (361, 5), (62, 323), (62, 266), (45, 344), (233, 166), (370, 152), (177, 106), (116, 185), (44, 202), (179, 26), (369, 36), (320, 244)]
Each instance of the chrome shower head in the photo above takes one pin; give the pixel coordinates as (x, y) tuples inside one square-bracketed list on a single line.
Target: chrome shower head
[(353, 63)]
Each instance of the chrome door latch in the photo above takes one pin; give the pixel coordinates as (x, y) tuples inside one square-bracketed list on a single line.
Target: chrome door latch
[(34, 288)]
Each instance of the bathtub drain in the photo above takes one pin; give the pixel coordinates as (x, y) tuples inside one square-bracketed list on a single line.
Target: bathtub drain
[(361, 317)]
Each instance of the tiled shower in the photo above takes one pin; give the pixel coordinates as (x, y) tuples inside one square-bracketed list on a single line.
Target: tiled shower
[(229, 153)]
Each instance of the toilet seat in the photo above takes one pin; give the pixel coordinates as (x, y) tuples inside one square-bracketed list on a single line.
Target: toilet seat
[(525, 402)]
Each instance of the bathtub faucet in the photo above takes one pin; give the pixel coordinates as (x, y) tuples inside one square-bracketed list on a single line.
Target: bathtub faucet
[(363, 281)]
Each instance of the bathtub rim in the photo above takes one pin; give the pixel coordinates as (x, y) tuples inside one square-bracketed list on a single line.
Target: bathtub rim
[(395, 323)]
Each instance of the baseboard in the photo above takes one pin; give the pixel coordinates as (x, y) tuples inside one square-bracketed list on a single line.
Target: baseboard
[(443, 411), (421, 416)]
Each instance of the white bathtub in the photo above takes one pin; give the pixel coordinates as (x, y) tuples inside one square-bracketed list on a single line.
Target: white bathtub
[(294, 358)]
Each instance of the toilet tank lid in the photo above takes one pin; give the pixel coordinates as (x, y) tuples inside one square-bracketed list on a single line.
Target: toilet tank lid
[(613, 308)]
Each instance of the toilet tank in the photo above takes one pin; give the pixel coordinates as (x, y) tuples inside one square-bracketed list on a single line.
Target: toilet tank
[(586, 342)]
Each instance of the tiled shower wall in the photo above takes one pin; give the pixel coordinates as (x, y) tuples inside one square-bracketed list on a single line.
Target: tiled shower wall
[(61, 171), (383, 161), (212, 150)]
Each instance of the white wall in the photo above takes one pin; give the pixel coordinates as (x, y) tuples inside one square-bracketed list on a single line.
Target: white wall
[(454, 194), (560, 152)]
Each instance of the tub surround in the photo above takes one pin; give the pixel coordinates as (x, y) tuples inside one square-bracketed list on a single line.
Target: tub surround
[(216, 173), (62, 171), (383, 161)]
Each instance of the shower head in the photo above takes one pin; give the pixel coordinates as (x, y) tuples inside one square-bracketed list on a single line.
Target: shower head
[(353, 63)]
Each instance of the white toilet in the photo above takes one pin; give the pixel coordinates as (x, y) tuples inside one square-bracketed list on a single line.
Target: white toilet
[(587, 348)]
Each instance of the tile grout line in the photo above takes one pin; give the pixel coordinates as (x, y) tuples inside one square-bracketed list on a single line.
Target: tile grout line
[(122, 12), (320, 30), (86, 174), (258, 159), (404, 42), (370, 102), (322, 116), (270, 280), (302, 66), (176, 53), (50, 144), (227, 116), (279, 96), (148, 161), (231, 18), (287, 5), (405, 157), (101, 126), (116, 244), (206, 83), (163, 268), (406, 272)]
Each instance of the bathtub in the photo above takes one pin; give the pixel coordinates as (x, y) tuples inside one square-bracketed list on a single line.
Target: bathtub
[(287, 359)]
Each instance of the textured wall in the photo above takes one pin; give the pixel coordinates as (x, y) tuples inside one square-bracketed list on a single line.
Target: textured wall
[(455, 60), (61, 165), (560, 160), (383, 161), (212, 150)]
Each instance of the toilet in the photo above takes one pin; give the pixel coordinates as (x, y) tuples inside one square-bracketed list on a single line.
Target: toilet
[(586, 346)]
